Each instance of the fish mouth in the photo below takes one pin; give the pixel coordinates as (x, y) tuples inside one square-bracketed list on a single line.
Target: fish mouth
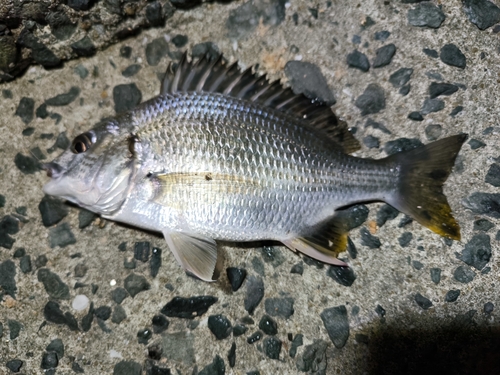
[(53, 169)]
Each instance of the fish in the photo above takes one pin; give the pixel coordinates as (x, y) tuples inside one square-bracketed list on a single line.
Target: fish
[(224, 154)]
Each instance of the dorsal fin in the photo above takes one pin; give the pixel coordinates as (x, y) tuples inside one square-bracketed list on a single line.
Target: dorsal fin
[(216, 75)]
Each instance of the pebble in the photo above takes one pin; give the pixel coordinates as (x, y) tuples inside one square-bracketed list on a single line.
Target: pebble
[(358, 60), (433, 132), (451, 55), (483, 224), (80, 302), (178, 346), (351, 248), (475, 144), (57, 347), (155, 14), (126, 52), (156, 50), (231, 356), (382, 35), (14, 365), (49, 360), (272, 255), (268, 325), (236, 277), (64, 99), (81, 71), (464, 274), (239, 329), (26, 164), (126, 97), (313, 360), (62, 142), (356, 216), (371, 142), (155, 351), (119, 314), (80, 270), (416, 116), (103, 312), (481, 13), (493, 175), (369, 240), (343, 275), (422, 301), (254, 337), (220, 326), (8, 225), (298, 268), (405, 90), (25, 109), (432, 105), (188, 308), (272, 347), (52, 209), (7, 94), (85, 218), (372, 100), (296, 342), (160, 323), (400, 77), (206, 48), (254, 293), (88, 318), (438, 88), (417, 265), (477, 252), (258, 266), (306, 78), (179, 40), (144, 335), (84, 47), (61, 235), (282, 307), (14, 328), (155, 263), (53, 313), (131, 70), (25, 264), (8, 278), (217, 367), (127, 368), (2, 200), (488, 307), (384, 55), (402, 144), (431, 53), (337, 325), (53, 284), (141, 251), (376, 125), (405, 239), (426, 14), (134, 284), (452, 295), (385, 213), (484, 203)]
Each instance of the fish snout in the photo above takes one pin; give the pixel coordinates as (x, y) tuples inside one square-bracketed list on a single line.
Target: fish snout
[(53, 170)]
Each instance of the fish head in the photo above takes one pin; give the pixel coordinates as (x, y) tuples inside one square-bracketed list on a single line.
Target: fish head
[(96, 170)]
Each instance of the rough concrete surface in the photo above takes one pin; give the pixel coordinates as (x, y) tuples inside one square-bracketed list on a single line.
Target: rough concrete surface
[(413, 304)]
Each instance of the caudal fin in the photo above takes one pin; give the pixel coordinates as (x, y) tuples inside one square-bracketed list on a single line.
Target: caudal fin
[(420, 192)]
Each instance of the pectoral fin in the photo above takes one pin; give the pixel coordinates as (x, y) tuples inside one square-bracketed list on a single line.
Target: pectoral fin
[(195, 253), (324, 241)]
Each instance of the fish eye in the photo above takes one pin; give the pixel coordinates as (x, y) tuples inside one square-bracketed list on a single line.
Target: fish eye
[(82, 143)]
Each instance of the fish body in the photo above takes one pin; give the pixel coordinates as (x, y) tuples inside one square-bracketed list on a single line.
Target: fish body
[(224, 155)]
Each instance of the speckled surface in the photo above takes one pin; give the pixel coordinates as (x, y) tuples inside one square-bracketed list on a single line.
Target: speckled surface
[(412, 303)]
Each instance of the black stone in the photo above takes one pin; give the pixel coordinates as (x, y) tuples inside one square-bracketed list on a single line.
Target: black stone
[(7, 94), (180, 40), (155, 263), (217, 367), (372, 100), (488, 307), (25, 264), (426, 15), (14, 328), (369, 240), (103, 312), (154, 14), (26, 164), (405, 239), (41, 111), (80, 4), (155, 351), (220, 326), (431, 53), (282, 307), (126, 97), (8, 278), (493, 175), (8, 225), (405, 90), (464, 274), (80, 270), (371, 142), (119, 314), (129, 263), (57, 347), (231, 356), (49, 360), (53, 284), (370, 123), (272, 347), (475, 144), (84, 47), (131, 70), (313, 262), (296, 342), (337, 325), (268, 325), (134, 284), (122, 246), (451, 55), (358, 60), (416, 116), (351, 249), (188, 308), (298, 268), (53, 210), (61, 235), (481, 13), (384, 55), (141, 251), (422, 301), (380, 311), (254, 293), (81, 71), (272, 255), (156, 50), (440, 88), (306, 78), (85, 218), (417, 265), (144, 335), (14, 365), (343, 275), (382, 35), (432, 105), (2, 201), (126, 52), (386, 212), (401, 77), (355, 215), (25, 109), (43, 55), (236, 277), (77, 368), (127, 368), (64, 99), (160, 323), (88, 318), (205, 49), (477, 251), (402, 144), (452, 295), (313, 360), (483, 224), (258, 266), (433, 132)]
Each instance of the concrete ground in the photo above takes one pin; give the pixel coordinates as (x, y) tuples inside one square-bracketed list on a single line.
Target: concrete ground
[(418, 304)]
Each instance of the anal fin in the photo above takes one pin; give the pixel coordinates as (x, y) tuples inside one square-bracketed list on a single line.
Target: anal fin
[(196, 253)]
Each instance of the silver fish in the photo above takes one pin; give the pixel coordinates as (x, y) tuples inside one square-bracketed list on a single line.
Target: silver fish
[(223, 154)]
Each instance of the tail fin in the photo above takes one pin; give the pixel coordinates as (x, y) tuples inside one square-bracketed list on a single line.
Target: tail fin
[(420, 192)]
